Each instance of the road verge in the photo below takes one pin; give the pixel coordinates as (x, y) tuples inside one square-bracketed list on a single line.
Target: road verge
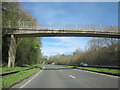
[(12, 79)]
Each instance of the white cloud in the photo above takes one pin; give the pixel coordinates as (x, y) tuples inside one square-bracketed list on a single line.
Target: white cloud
[(64, 45), (56, 50)]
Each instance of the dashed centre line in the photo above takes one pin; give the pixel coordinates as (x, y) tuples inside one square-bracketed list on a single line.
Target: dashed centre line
[(71, 76)]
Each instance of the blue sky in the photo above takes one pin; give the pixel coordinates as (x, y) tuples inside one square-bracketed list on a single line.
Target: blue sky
[(83, 12), (88, 12)]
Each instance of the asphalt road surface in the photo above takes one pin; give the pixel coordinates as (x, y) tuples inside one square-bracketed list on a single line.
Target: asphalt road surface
[(61, 77)]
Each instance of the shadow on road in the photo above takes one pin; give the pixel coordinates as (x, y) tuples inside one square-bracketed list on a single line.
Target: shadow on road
[(58, 68)]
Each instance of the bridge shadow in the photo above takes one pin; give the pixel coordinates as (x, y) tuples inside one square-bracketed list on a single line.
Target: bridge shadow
[(58, 68)]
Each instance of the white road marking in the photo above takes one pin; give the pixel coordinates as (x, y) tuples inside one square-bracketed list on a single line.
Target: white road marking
[(71, 76), (97, 73), (31, 79)]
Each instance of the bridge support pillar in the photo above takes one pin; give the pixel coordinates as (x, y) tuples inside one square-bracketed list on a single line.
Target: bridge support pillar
[(12, 51)]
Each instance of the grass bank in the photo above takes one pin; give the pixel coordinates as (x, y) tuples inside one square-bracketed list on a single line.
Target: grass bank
[(107, 71), (10, 80), (5, 69), (25, 66)]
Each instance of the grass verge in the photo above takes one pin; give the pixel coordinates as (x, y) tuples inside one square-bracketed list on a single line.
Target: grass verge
[(5, 69), (12, 69), (109, 71), (106, 71), (10, 80)]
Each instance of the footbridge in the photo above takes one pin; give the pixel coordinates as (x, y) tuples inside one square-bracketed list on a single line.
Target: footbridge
[(26, 29), (47, 29)]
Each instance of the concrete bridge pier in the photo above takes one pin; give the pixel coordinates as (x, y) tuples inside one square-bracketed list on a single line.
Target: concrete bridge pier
[(12, 51)]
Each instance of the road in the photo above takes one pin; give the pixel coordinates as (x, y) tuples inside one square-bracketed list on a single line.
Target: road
[(61, 77)]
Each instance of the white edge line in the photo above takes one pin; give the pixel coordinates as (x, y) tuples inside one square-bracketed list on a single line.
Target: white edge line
[(98, 73), (71, 76), (30, 79)]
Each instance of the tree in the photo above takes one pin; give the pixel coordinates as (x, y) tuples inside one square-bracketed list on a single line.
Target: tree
[(28, 49), (101, 51)]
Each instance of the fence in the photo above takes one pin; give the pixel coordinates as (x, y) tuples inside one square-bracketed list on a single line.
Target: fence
[(65, 26)]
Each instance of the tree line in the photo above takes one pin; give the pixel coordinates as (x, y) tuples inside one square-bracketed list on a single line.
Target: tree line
[(28, 49), (99, 51)]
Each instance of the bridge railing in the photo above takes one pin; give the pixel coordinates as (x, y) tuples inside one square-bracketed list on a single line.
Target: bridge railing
[(75, 26), (68, 26), (71, 26)]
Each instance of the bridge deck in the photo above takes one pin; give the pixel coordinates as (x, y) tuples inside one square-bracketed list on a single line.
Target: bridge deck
[(44, 32), (27, 29)]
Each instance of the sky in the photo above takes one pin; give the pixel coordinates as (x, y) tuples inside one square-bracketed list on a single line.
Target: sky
[(82, 12), (60, 0)]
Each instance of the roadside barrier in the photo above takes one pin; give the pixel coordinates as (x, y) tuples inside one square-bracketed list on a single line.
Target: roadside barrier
[(102, 67), (12, 72)]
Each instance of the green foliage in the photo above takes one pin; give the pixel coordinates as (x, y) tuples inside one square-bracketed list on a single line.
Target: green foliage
[(112, 71), (27, 53), (36, 44), (12, 69), (35, 65), (24, 66), (28, 49)]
